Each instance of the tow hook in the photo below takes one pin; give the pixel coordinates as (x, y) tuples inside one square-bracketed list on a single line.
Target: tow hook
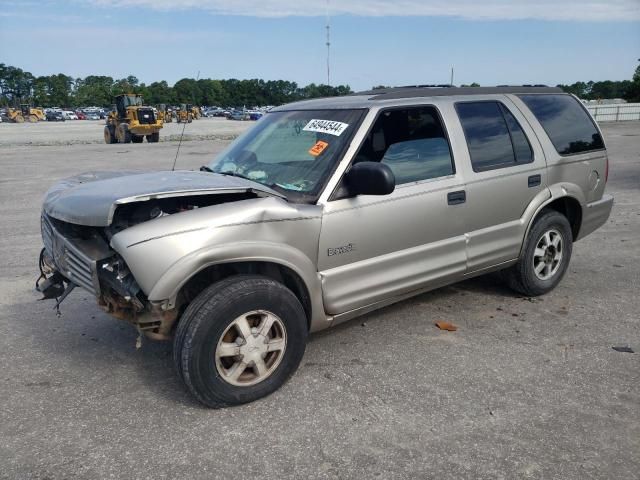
[(51, 287)]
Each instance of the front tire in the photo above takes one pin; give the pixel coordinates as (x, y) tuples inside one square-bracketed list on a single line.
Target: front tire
[(240, 340), (125, 133), (545, 257), (109, 135), (153, 137)]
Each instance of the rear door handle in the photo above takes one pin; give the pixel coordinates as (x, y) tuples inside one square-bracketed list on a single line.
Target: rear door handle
[(456, 198), (534, 180)]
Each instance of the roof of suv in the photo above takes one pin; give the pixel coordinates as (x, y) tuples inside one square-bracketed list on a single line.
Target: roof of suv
[(370, 98)]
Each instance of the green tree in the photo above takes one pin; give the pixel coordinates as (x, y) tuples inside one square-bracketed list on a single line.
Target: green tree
[(59, 90), (160, 92), (186, 91), (94, 90), (17, 86), (633, 91)]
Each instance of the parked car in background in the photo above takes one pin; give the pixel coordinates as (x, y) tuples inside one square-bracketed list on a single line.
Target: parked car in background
[(237, 115), (92, 116), (69, 115), (255, 114), (215, 112), (81, 115), (54, 116)]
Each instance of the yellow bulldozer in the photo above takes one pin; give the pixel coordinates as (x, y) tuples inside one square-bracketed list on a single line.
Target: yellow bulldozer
[(132, 121), (25, 114), (164, 113), (184, 114)]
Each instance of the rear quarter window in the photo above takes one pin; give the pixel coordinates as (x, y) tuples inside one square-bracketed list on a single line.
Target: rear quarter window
[(566, 122)]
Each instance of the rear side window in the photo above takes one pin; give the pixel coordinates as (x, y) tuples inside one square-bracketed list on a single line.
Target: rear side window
[(566, 122), (494, 137)]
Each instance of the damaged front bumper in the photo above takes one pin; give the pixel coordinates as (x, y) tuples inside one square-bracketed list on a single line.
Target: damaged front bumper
[(79, 256)]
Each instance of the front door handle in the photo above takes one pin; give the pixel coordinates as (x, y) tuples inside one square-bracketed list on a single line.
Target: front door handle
[(534, 180), (456, 198)]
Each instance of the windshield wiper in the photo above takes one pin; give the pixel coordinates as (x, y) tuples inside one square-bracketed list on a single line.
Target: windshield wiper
[(239, 175), (204, 168)]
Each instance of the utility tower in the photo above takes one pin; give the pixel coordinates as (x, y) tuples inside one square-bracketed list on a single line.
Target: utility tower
[(328, 43)]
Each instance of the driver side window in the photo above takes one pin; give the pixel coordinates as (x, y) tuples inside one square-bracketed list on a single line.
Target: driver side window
[(411, 142)]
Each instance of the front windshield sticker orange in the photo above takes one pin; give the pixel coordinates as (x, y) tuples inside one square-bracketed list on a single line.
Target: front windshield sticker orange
[(318, 148), (326, 126)]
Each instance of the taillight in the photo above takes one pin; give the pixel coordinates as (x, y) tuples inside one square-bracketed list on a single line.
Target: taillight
[(606, 171)]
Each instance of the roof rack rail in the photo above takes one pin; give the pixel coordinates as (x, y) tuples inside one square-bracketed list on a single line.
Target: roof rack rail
[(449, 90), (525, 85), (441, 85)]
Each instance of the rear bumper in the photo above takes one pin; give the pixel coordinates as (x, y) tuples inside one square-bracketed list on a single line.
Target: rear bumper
[(595, 215)]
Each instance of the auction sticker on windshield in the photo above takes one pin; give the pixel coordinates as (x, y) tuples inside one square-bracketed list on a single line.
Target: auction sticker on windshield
[(318, 148), (326, 126)]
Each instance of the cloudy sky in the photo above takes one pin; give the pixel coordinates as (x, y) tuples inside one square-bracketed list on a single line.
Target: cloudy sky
[(372, 41)]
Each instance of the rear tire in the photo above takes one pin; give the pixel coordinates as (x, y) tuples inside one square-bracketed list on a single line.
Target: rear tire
[(153, 138), (545, 256), (137, 138), (212, 324), (33, 118)]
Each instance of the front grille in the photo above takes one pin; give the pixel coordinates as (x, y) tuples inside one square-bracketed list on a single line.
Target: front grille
[(47, 234), (79, 268), (75, 258), (146, 116)]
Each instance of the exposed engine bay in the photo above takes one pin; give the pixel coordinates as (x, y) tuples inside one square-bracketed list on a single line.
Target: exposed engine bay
[(130, 214), (79, 255)]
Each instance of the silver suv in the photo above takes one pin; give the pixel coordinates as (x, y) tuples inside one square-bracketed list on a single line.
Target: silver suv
[(325, 210)]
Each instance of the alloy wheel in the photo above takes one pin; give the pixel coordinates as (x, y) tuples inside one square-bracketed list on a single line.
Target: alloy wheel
[(251, 348), (547, 256)]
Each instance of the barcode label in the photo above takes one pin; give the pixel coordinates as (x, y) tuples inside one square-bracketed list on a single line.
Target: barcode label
[(326, 126)]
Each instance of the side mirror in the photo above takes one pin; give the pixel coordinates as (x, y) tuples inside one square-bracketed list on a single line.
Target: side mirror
[(370, 178)]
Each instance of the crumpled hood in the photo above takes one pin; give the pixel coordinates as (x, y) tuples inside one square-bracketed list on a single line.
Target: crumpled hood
[(91, 198)]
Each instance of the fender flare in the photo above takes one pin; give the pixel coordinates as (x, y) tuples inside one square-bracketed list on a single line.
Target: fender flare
[(556, 192), (178, 274)]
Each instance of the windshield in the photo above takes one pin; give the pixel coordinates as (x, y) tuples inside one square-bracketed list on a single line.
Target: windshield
[(294, 152), (132, 100)]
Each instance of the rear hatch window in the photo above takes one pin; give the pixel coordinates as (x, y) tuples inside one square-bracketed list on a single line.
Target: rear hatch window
[(566, 122)]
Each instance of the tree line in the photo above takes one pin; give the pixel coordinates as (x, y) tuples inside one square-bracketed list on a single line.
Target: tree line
[(60, 90), (627, 89)]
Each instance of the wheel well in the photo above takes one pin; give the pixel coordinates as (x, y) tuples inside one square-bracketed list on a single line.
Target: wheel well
[(275, 271), (571, 209)]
